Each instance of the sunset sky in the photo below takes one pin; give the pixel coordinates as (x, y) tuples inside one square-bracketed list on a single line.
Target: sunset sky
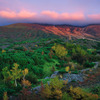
[(74, 12)]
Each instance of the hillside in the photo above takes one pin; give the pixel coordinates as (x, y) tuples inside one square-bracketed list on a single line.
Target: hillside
[(66, 57), (23, 31), (72, 70)]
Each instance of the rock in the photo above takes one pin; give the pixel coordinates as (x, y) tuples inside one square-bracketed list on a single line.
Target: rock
[(85, 70), (54, 74), (38, 88), (47, 78), (96, 64), (71, 77)]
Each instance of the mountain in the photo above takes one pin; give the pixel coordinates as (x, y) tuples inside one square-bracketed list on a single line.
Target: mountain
[(22, 31)]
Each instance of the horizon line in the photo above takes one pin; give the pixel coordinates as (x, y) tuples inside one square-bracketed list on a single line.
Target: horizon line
[(55, 24)]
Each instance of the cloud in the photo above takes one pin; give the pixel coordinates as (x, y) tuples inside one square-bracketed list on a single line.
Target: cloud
[(63, 16), (94, 16), (22, 14), (7, 14), (42, 17), (25, 14), (73, 16), (51, 14)]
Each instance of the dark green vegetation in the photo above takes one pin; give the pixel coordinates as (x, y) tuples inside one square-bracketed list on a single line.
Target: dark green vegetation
[(42, 57)]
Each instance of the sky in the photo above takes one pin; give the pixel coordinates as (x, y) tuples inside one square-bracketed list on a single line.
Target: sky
[(74, 12)]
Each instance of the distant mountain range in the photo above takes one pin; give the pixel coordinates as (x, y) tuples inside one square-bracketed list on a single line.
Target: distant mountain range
[(25, 30)]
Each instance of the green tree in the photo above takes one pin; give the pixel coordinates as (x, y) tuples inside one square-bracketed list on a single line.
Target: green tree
[(60, 50), (15, 73), (4, 73)]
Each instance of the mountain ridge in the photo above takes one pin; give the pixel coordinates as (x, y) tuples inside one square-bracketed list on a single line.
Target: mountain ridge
[(89, 32)]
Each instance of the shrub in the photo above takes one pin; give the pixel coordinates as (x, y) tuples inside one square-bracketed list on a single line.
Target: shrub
[(62, 71), (96, 90), (26, 83), (66, 96), (88, 64), (53, 90), (59, 50), (47, 71), (31, 77), (78, 94), (19, 48), (15, 73), (3, 51), (67, 69), (69, 46), (5, 97), (80, 55)]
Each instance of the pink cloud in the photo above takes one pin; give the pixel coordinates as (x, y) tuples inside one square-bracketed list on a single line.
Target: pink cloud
[(44, 15), (73, 16), (25, 14), (94, 16), (51, 14), (7, 14), (22, 14), (64, 16)]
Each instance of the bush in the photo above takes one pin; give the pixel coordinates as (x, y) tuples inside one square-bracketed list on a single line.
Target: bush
[(47, 71), (53, 90), (75, 72), (62, 71), (31, 77), (80, 55), (66, 96), (78, 94), (96, 90), (19, 48), (88, 64), (59, 50), (69, 46)]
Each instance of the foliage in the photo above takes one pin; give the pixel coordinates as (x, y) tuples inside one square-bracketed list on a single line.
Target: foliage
[(5, 74), (75, 72), (53, 90), (4, 90), (62, 71), (49, 68), (59, 50), (3, 51), (31, 77), (33, 63), (15, 73), (5, 97), (78, 93), (88, 64), (26, 83), (69, 46), (25, 72), (66, 96), (67, 68), (79, 55), (96, 90)]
